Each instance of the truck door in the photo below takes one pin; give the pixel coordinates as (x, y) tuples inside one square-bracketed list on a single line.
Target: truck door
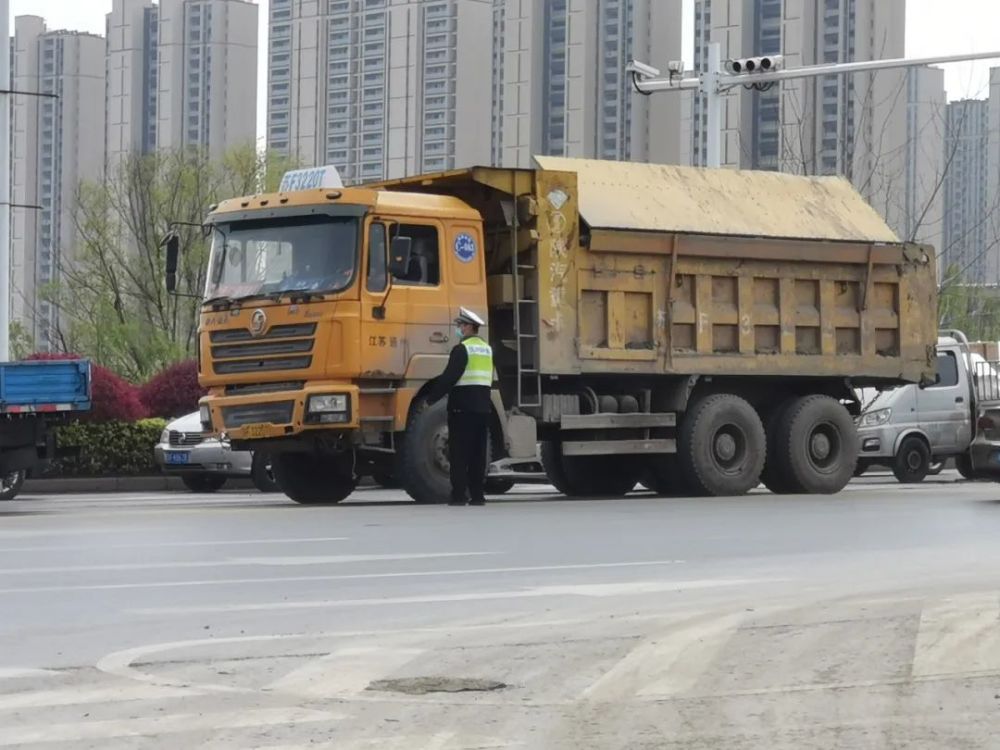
[(428, 315), (944, 407), (383, 311)]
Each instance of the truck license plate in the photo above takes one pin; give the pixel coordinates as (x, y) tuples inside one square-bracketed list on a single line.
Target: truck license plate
[(178, 457), (253, 431)]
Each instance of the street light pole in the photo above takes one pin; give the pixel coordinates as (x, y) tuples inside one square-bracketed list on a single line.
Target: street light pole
[(715, 81), (5, 179)]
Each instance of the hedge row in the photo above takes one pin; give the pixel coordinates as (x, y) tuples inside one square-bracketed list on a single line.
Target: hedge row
[(121, 449)]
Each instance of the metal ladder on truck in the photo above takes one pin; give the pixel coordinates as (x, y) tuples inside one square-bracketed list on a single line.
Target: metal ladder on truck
[(526, 320)]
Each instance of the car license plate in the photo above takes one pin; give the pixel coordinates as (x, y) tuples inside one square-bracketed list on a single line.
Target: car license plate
[(178, 457), (258, 430)]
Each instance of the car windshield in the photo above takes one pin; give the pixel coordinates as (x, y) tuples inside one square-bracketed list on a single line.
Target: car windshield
[(262, 257)]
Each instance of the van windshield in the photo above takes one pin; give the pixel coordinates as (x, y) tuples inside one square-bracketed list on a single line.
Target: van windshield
[(271, 256)]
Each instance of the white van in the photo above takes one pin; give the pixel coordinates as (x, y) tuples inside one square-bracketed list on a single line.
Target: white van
[(912, 427)]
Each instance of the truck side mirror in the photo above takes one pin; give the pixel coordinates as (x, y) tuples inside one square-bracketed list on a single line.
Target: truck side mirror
[(173, 243), (399, 256)]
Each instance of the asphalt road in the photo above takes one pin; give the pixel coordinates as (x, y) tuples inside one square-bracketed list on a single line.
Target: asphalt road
[(866, 620)]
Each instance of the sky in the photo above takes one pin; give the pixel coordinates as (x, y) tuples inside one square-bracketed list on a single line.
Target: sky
[(933, 27)]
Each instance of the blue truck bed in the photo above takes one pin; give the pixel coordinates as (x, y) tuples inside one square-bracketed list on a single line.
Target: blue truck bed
[(45, 386)]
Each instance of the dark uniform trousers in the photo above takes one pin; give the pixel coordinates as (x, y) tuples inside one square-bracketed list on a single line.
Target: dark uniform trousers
[(468, 436)]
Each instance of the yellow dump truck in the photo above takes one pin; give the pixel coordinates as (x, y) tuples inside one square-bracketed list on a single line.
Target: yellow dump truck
[(698, 330)]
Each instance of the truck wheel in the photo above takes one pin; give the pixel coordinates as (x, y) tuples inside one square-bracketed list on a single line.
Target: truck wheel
[(11, 484), (314, 480), (665, 479), (589, 476), (816, 446), (262, 473), (203, 483), (423, 458), (722, 446), (499, 486), (912, 461), (774, 476)]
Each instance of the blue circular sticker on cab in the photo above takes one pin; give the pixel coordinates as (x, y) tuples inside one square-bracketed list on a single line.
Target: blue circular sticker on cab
[(465, 247)]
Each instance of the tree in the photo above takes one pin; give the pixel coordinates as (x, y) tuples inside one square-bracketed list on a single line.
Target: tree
[(111, 297)]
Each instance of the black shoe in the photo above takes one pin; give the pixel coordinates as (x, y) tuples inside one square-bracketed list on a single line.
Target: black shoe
[(477, 502), (457, 502)]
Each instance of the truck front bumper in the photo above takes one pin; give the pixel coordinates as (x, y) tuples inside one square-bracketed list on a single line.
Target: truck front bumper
[(282, 413)]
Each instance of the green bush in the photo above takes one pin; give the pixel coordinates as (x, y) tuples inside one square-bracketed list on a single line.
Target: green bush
[(119, 449)]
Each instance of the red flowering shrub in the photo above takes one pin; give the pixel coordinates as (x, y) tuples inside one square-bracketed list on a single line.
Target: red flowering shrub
[(174, 392), (114, 399)]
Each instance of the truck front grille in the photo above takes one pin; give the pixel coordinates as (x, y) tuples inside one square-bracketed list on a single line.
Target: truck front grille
[(279, 412), (236, 351)]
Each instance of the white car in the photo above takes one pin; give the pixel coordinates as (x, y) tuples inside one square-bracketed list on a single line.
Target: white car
[(204, 463)]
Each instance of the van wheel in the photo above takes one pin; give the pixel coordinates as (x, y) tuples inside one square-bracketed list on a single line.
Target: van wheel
[(423, 458), (589, 476), (912, 461), (816, 446), (203, 483), (963, 463), (315, 480), (722, 446), (11, 484)]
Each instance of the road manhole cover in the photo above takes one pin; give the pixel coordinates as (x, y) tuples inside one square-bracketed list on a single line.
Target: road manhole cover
[(424, 685)]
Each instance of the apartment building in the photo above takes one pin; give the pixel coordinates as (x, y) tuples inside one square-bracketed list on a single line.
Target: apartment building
[(966, 190)]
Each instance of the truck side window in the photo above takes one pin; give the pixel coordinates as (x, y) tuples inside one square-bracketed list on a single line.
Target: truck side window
[(425, 256), (947, 370), (378, 273)]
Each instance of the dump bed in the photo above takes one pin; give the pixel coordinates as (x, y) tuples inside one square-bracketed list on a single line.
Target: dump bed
[(49, 386), (637, 268)]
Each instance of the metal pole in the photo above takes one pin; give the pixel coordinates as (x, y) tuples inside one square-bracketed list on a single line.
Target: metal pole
[(5, 180), (713, 102)]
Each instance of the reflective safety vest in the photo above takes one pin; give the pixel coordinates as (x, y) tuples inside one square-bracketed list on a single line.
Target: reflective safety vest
[(479, 369)]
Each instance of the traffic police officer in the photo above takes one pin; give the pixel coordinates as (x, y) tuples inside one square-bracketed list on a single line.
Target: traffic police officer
[(467, 381)]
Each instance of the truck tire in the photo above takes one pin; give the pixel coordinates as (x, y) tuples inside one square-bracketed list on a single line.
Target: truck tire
[(816, 446), (722, 446), (203, 483), (664, 477), (262, 474), (423, 455), (774, 476), (912, 461), (11, 484), (588, 476), (314, 480)]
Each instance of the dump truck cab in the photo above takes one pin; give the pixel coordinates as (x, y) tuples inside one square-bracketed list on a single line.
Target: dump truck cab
[(327, 309)]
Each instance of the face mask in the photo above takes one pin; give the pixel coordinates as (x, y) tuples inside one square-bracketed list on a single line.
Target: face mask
[(458, 332)]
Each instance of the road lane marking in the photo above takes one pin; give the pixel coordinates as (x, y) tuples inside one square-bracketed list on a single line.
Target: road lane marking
[(241, 562), (159, 725), (153, 545), (14, 673), (338, 577), (959, 635), (584, 590), (80, 696), (667, 665), (345, 672)]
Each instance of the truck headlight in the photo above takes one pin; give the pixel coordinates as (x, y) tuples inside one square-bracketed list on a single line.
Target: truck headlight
[(328, 408), (205, 414), (876, 418)]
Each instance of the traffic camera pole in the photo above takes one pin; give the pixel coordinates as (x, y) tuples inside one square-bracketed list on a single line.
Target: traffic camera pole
[(716, 81)]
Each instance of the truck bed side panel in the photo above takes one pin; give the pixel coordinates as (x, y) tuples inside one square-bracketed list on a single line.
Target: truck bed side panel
[(52, 385)]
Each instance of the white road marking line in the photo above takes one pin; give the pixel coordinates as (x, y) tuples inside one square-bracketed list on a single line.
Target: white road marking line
[(13, 673), (587, 590), (339, 577), (959, 635), (159, 725), (241, 562), (154, 545), (667, 665), (82, 696), (345, 672)]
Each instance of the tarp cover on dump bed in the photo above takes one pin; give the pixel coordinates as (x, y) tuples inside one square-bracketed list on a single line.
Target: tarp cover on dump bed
[(691, 200)]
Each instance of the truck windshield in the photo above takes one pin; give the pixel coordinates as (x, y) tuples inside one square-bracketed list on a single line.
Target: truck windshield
[(301, 253)]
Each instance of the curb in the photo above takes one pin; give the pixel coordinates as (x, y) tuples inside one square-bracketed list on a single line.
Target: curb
[(114, 484)]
